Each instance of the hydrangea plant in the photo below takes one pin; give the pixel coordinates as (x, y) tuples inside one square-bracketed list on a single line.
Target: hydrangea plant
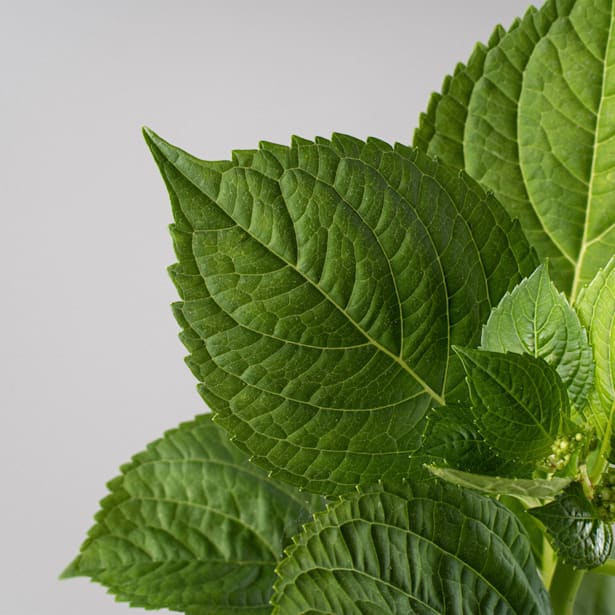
[(408, 353)]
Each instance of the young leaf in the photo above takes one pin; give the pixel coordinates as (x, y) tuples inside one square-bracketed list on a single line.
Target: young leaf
[(520, 403), (536, 319), (326, 282), (411, 548), (191, 525), (578, 534), (596, 307), (537, 132), (495, 485)]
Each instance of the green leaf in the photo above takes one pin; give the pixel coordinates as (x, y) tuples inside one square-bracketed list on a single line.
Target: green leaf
[(578, 534), (520, 403), (411, 548), (596, 595), (496, 485), (322, 285), (536, 319), (537, 131), (596, 308), (191, 525)]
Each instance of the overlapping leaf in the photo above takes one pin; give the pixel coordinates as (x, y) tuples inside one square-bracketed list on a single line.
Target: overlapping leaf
[(536, 319), (596, 307), (322, 287), (191, 525), (520, 403), (537, 131), (425, 548), (580, 537)]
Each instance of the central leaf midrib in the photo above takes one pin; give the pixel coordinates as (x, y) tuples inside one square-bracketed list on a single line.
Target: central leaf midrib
[(433, 394), (585, 241)]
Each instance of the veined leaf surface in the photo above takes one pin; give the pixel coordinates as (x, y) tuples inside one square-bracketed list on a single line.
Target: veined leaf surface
[(427, 548), (596, 307), (322, 286), (580, 537), (538, 131), (536, 319), (192, 526)]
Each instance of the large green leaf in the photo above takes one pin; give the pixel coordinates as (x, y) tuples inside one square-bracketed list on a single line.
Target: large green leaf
[(191, 525), (536, 319), (322, 287), (579, 535), (427, 548), (537, 130), (520, 403), (596, 307)]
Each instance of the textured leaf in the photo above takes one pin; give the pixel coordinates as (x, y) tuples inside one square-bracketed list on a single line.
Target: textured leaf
[(322, 286), (596, 307), (578, 534), (191, 525), (425, 548), (495, 485), (536, 319), (538, 131), (520, 402)]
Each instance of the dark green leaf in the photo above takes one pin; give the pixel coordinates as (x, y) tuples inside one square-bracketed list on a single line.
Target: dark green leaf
[(191, 525), (578, 534), (322, 286), (520, 403), (536, 319), (427, 548)]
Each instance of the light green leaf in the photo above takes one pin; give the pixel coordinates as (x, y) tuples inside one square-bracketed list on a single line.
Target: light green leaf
[(536, 319), (191, 525), (596, 595), (427, 548), (538, 130), (596, 308), (520, 403), (496, 485), (578, 534), (322, 287)]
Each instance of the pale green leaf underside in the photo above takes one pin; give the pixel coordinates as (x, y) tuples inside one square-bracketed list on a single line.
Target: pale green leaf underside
[(536, 319), (538, 131), (191, 525), (496, 485), (520, 403), (322, 285), (596, 308), (580, 537), (429, 548)]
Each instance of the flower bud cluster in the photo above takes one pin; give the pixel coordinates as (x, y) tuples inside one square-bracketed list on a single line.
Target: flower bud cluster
[(562, 450), (604, 498)]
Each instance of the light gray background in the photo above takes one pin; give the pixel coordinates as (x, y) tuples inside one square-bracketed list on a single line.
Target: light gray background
[(91, 368)]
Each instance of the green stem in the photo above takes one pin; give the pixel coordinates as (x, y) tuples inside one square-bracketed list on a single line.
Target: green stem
[(564, 587), (607, 568)]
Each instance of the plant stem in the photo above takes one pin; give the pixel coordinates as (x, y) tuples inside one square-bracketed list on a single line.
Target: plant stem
[(607, 568), (564, 587)]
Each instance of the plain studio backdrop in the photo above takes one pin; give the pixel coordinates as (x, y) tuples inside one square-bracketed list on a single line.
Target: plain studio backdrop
[(90, 363)]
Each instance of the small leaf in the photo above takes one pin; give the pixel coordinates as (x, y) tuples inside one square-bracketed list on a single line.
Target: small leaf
[(322, 286), (191, 525), (425, 548), (596, 308), (536, 319), (520, 403), (495, 485), (578, 534)]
